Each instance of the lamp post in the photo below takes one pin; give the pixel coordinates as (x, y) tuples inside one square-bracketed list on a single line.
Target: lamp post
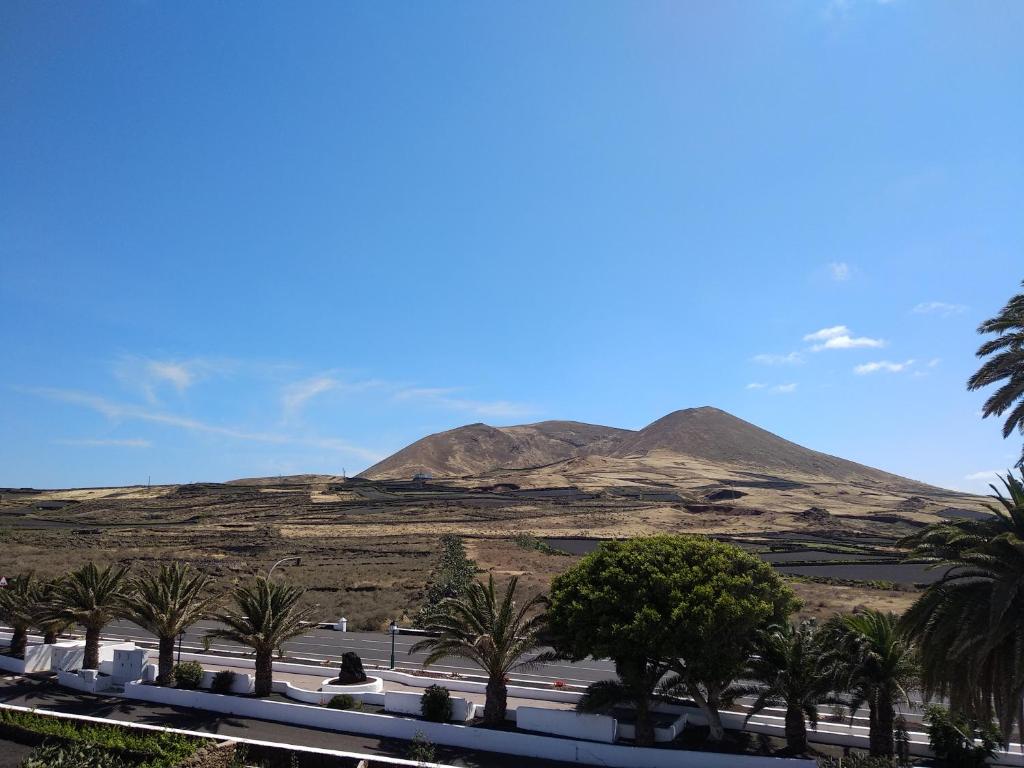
[(298, 561), (393, 629)]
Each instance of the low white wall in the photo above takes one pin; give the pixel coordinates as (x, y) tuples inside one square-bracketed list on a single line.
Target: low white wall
[(460, 736), (84, 681), (12, 664), (242, 683), (662, 733), (372, 685), (565, 722), (403, 703)]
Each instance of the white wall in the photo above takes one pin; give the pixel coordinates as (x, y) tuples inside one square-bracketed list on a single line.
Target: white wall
[(403, 703), (242, 683), (512, 743), (566, 722)]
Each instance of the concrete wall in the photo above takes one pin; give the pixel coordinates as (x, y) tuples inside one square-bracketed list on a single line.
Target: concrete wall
[(565, 722), (243, 683), (372, 685), (511, 743), (85, 680), (664, 733)]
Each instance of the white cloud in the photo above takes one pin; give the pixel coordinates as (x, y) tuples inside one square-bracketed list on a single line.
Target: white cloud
[(784, 389), (882, 365), (755, 385), (840, 337), (985, 474), (793, 358), (840, 271), (934, 362), (127, 412), (940, 308), (148, 375), (126, 443), (444, 397), (298, 394)]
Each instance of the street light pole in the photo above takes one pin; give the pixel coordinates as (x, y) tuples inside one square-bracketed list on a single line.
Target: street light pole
[(394, 631), (298, 560)]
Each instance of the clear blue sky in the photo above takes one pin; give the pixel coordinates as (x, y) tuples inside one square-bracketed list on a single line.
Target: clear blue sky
[(257, 238)]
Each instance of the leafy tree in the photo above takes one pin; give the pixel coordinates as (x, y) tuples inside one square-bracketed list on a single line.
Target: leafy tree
[(970, 623), (790, 669), (876, 662), (265, 615), (17, 604), (492, 632), (1005, 366), (452, 577), (685, 603), (92, 598), (166, 603)]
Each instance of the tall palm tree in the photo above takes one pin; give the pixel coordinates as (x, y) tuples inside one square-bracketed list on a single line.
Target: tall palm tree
[(265, 615), (970, 623), (638, 686), (876, 663), (167, 603), (492, 633), (92, 598), (1005, 366), (790, 669), (16, 606)]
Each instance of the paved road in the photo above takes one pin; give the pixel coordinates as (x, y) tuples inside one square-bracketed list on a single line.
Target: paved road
[(45, 694), (375, 648)]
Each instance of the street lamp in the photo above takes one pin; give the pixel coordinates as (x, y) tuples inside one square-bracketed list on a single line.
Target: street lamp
[(298, 561), (393, 629)]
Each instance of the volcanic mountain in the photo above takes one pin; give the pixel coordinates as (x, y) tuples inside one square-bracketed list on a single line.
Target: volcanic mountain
[(707, 434)]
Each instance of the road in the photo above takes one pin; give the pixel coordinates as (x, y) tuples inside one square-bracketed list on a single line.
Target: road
[(373, 648)]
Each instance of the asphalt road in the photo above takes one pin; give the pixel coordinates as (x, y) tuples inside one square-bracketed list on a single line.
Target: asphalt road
[(374, 648), (46, 694)]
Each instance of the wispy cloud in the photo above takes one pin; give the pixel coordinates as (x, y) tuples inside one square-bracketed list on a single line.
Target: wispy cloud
[(839, 271), (940, 308), (128, 412), (840, 337), (446, 397), (148, 375), (882, 365), (987, 475), (113, 443), (296, 395), (777, 389), (793, 358)]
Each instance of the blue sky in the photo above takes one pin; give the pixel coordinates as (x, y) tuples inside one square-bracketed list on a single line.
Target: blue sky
[(246, 239)]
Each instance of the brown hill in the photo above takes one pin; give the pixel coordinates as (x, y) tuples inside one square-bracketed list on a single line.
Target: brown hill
[(714, 435), (477, 448)]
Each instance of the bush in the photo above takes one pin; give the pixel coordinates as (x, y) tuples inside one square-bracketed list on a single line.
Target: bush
[(223, 681), (857, 760), (436, 704), (960, 741), (188, 675), (421, 749), (344, 701), (54, 755)]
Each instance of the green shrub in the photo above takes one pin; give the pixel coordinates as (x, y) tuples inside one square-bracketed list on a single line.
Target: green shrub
[(960, 741), (223, 681), (188, 675), (858, 760), (436, 704), (421, 749), (56, 755), (158, 749), (344, 701)]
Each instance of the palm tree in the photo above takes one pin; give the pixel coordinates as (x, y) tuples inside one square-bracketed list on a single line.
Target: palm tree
[(970, 623), (790, 669), (167, 603), (876, 663), (266, 614), (92, 598), (1005, 366), (492, 633), (637, 687), (16, 606), (44, 616)]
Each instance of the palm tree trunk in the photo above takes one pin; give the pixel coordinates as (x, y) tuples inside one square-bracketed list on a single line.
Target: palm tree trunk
[(796, 730), (50, 637), (644, 726), (92, 648), (880, 734), (165, 662), (497, 700), (19, 639), (264, 673)]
